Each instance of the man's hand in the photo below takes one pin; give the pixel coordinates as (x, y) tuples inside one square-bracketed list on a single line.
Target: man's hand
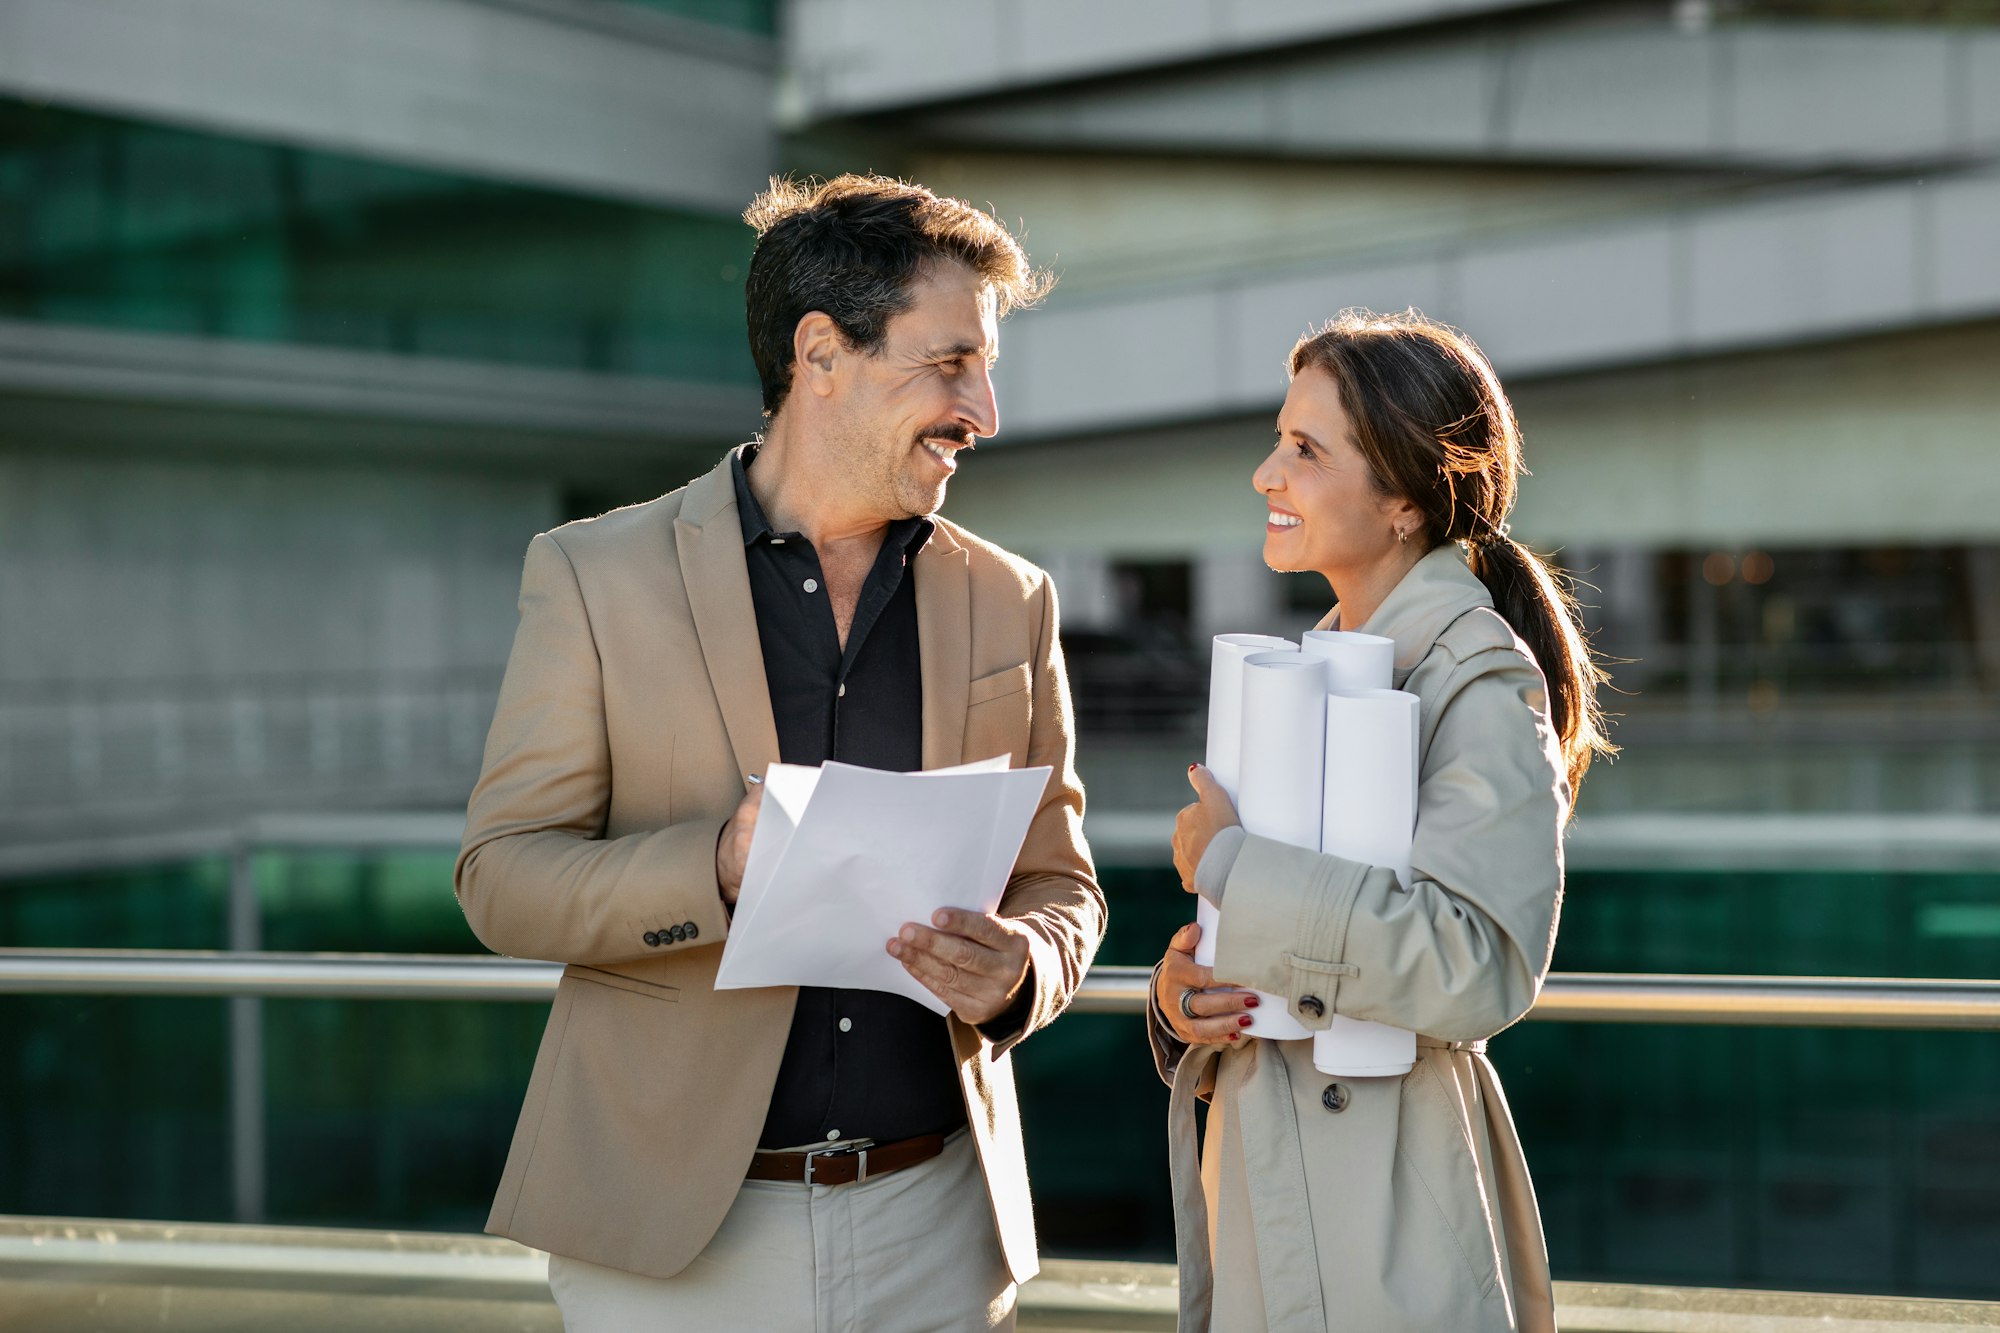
[(732, 849), (1221, 1014), (1196, 825), (974, 963)]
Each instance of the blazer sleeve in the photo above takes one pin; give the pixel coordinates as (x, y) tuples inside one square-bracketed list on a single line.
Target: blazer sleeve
[(1053, 890), (536, 876), (1462, 953)]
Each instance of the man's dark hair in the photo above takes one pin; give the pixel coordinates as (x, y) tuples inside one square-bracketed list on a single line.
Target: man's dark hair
[(852, 248)]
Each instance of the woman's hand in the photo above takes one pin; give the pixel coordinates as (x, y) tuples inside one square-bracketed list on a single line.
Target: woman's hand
[(1196, 825), (1220, 1014)]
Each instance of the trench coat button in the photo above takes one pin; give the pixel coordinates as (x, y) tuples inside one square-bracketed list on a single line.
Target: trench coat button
[(1312, 1005), (693, 931), (1335, 1098), (652, 939)]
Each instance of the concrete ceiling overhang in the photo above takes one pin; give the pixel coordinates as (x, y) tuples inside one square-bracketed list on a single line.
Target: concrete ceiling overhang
[(1565, 87), (585, 96)]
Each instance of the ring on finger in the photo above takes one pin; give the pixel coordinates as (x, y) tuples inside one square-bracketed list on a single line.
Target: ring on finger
[(1187, 996)]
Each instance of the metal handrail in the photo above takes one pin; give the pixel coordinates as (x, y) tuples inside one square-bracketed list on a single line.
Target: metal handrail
[(1567, 997)]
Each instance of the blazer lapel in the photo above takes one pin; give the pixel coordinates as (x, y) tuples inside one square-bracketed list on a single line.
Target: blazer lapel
[(944, 645), (709, 538)]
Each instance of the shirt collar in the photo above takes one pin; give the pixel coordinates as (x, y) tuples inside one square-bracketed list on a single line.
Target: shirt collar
[(908, 533)]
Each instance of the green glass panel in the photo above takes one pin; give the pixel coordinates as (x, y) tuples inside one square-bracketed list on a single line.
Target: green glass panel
[(760, 16), (139, 226)]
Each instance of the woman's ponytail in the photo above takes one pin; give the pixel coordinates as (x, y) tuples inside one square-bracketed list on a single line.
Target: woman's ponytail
[(1536, 600), (1430, 417)]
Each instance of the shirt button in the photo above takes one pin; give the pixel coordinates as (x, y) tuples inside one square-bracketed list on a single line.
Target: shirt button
[(847, 1025), (777, 541), (832, 1135), (812, 585), (842, 692)]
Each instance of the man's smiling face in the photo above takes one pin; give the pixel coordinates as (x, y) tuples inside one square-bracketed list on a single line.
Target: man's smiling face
[(923, 395)]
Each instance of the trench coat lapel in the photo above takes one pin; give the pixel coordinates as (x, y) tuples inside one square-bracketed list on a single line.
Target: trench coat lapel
[(944, 645), (709, 539), (1438, 590)]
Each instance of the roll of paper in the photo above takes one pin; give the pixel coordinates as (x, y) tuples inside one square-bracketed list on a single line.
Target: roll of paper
[(1353, 661), (1225, 702), (1369, 811), (1225, 742), (1284, 712)]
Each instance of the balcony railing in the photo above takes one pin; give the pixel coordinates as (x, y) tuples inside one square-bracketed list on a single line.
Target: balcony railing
[(1567, 997)]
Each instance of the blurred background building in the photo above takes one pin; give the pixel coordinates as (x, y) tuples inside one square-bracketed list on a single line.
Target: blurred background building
[(312, 314)]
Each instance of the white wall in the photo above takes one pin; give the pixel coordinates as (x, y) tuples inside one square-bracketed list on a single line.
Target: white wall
[(1891, 439), (179, 635)]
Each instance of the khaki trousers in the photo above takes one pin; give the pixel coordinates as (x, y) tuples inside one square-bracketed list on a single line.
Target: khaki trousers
[(913, 1252)]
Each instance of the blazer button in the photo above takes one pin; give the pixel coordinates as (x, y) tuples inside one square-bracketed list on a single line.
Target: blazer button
[(652, 940), (693, 930), (676, 934), (1335, 1098), (1313, 1005)]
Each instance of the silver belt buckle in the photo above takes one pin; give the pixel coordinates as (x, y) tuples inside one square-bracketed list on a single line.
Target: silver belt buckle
[(847, 1151)]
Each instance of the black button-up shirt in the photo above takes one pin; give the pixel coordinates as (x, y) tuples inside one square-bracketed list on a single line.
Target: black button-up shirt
[(858, 1063)]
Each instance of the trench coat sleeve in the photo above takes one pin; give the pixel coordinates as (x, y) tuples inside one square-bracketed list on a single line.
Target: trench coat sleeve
[(1462, 953), (1053, 891), (536, 876)]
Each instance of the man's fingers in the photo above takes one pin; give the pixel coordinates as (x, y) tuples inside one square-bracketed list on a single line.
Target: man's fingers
[(973, 925), (955, 950)]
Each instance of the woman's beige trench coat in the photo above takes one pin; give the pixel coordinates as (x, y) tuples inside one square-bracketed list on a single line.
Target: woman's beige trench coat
[(1387, 1205)]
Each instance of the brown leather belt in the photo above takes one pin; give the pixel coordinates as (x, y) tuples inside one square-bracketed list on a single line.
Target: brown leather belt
[(845, 1165)]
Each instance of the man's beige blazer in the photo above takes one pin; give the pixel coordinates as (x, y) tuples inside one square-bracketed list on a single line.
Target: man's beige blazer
[(634, 704)]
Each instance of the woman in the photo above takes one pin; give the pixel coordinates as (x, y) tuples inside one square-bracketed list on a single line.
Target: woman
[(1386, 1204)]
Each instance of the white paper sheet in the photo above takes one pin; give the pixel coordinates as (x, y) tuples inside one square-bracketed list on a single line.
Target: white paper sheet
[(843, 856), (1225, 741), (1368, 814), (1353, 661)]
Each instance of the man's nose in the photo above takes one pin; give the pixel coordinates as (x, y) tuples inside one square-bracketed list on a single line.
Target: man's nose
[(980, 406)]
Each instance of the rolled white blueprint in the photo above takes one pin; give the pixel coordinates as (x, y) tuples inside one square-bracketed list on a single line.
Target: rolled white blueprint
[(1369, 811), (1225, 741), (1284, 714), (1353, 661), (1225, 701)]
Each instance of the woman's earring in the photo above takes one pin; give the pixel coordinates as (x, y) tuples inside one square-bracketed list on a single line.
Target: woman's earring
[(1402, 536)]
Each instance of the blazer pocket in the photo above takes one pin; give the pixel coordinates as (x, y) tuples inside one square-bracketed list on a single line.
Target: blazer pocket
[(1009, 680), (622, 981)]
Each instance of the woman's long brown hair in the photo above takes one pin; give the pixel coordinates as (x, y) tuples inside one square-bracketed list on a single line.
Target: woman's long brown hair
[(1430, 417)]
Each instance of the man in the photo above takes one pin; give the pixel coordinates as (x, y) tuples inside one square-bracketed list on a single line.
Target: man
[(693, 1158)]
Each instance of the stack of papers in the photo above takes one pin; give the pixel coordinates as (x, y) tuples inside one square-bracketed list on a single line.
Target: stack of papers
[(843, 856)]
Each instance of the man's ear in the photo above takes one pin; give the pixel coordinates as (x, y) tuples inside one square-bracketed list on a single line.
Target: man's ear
[(817, 351)]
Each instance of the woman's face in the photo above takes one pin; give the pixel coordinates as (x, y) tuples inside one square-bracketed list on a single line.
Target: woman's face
[(1325, 514)]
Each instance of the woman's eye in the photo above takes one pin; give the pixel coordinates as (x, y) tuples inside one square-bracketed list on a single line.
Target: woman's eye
[(1305, 450)]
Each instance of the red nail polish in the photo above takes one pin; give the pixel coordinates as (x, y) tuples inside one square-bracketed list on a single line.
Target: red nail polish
[(1243, 1020), (1190, 768), (1234, 1035), (1251, 1002)]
